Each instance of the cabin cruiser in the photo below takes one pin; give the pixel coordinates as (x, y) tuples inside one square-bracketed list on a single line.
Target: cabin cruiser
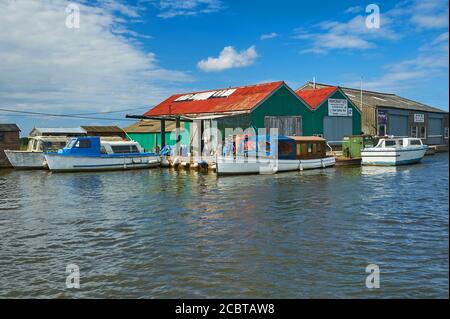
[(34, 156), (92, 153), (394, 151), (265, 155)]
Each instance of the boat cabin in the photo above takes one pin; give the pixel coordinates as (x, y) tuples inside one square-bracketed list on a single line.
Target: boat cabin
[(287, 147), (398, 142), (46, 143), (95, 146)]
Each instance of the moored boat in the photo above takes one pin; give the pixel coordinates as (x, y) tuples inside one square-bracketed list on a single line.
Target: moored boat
[(34, 156), (93, 154), (270, 156), (394, 151)]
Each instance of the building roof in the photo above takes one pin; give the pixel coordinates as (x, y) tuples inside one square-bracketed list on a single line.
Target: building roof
[(378, 99), (241, 99), (102, 129), (9, 128), (58, 130), (315, 97), (150, 126)]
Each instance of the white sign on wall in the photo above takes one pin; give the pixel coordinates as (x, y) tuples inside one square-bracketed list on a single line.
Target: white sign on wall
[(338, 107), (419, 118)]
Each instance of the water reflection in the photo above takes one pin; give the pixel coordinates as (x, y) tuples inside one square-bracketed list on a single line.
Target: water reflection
[(166, 233)]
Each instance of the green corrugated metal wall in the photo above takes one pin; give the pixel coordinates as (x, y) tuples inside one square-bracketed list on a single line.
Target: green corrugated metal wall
[(321, 112), (149, 141), (282, 103)]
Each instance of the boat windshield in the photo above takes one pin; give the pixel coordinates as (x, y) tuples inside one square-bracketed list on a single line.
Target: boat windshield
[(71, 143), (415, 142)]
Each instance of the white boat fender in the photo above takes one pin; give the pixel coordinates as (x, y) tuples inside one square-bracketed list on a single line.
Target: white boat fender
[(301, 166), (323, 163), (165, 162)]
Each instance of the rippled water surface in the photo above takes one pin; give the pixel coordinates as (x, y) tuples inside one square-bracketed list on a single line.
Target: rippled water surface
[(164, 233)]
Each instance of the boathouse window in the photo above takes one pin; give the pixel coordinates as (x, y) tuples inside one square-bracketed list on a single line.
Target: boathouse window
[(446, 132), (423, 132), (414, 131), (83, 144)]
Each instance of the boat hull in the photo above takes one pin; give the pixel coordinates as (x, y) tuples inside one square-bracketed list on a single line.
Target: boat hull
[(392, 157), (230, 166), (26, 160), (63, 163)]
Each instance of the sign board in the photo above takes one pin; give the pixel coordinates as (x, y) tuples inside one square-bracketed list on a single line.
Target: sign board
[(419, 118), (337, 107), (382, 118)]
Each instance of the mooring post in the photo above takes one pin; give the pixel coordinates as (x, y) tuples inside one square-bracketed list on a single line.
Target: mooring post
[(178, 136), (163, 134)]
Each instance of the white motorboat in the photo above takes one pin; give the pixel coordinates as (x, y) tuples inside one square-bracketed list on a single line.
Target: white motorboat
[(394, 151), (34, 156), (93, 154), (288, 154)]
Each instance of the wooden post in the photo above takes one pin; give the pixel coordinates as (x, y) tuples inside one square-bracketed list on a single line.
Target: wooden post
[(163, 134), (177, 152)]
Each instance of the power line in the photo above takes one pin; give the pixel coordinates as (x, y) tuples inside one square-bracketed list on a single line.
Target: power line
[(110, 112), (25, 113)]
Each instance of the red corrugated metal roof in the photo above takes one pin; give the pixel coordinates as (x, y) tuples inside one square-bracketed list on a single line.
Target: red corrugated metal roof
[(243, 99), (315, 97)]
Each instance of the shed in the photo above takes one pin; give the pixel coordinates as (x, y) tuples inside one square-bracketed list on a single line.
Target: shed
[(9, 140), (148, 133), (104, 130), (334, 116), (57, 131), (260, 106), (390, 114)]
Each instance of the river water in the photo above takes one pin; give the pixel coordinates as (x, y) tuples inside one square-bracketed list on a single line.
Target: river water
[(177, 234)]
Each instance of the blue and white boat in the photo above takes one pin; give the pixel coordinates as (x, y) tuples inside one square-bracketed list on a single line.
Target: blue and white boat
[(394, 151), (94, 154)]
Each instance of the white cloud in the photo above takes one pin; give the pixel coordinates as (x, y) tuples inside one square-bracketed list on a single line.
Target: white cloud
[(173, 8), (269, 36), (352, 34), (229, 58), (355, 9), (46, 66), (404, 17), (429, 64), (430, 14)]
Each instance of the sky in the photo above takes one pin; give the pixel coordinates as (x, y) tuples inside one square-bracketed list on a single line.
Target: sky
[(127, 56)]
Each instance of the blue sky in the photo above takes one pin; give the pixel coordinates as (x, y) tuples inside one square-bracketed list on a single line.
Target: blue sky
[(134, 54)]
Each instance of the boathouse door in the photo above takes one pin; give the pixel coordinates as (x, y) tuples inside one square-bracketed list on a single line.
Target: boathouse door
[(286, 125)]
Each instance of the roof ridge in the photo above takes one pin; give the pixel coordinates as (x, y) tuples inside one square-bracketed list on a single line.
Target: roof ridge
[(230, 87), (349, 88)]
